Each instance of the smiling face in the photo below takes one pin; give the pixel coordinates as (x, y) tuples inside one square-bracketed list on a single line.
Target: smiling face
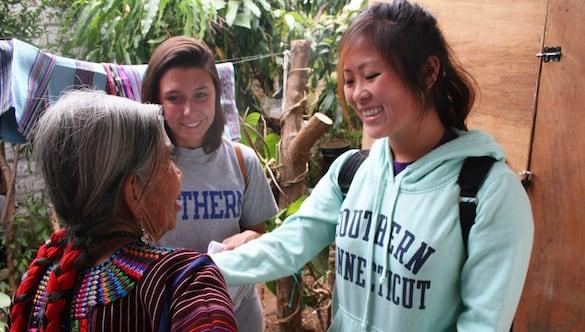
[(188, 99), (379, 96)]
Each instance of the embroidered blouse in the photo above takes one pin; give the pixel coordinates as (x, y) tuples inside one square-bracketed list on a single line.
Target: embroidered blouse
[(146, 288)]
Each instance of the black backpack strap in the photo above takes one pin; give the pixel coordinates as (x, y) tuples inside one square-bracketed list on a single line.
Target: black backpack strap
[(473, 173), (349, 168)]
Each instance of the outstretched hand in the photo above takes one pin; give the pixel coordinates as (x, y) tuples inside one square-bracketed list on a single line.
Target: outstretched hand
[(237, 240)]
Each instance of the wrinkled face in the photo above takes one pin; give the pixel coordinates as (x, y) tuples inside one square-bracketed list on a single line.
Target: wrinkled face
[(375, 91), (188, 99), (160, 199)]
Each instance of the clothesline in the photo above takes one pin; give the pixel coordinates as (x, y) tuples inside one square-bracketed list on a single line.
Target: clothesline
[(31, 79), (250, 58)]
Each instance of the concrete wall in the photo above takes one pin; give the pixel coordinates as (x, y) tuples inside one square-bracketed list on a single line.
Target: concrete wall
[(29, 182)]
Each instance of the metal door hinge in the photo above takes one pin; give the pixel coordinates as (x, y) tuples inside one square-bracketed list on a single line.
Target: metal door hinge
[(550, 54)]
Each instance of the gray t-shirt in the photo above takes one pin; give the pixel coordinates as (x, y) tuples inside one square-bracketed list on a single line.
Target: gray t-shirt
[(216, 203)]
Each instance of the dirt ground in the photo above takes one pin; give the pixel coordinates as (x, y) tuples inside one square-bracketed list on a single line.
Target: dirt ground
[(310, 318)]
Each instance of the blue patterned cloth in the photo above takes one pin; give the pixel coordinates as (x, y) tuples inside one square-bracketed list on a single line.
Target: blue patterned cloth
[(31, 79)]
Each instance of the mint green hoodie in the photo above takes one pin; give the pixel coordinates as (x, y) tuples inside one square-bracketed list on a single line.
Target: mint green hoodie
[(400, 260)]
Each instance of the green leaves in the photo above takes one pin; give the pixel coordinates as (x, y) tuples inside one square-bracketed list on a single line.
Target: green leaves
[(31, 227), (243, 20), (127, 31), (285, 213), (271, 141), (5, 309), (4, 301), (295, 206), (252, 8), (241, 13), (255, 135), (19, 21), (232, 11), (249, 128)]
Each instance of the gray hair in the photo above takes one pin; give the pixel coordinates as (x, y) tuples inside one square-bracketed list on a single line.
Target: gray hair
[(86, 145)]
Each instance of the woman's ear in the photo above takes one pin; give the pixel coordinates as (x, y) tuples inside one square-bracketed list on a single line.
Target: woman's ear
[(432, 69), (132, 190)]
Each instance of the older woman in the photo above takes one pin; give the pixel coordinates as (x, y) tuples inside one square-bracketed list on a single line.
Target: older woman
[(108, 167)]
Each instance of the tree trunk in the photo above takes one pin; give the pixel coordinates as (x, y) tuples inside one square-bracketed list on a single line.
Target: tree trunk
[(296, 142)]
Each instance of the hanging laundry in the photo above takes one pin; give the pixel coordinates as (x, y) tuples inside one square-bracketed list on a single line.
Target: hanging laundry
[(31, 79), (8, 131), (35, 79), (124, 80), (226, 75)]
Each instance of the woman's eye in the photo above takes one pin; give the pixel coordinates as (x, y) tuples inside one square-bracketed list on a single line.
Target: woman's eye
[(201, 95), (372, 76), (347, 82), (173, 99)]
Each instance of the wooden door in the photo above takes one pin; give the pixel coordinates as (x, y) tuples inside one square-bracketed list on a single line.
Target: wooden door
[(554, 295), (538, 115), (496, 41)]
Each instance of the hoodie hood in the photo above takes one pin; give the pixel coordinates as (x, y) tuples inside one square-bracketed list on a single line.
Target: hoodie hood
[(427, 172), (400, 261), (435, 169)]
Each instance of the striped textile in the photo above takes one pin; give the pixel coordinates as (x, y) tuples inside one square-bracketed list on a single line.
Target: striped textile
[(37, 79), (174, 290), (124, 80), (36, 98), (5, 74), (83, 74), (199, 302), (31, 79)]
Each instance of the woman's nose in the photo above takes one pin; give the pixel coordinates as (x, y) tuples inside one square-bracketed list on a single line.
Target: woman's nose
[(362, 94), (188, 108)]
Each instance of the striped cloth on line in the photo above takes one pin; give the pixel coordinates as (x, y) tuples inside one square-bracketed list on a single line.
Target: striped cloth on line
[(31, 79)]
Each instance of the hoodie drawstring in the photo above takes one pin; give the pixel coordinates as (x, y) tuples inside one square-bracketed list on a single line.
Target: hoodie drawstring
[(386, 241), (371, 242), (387, 235)]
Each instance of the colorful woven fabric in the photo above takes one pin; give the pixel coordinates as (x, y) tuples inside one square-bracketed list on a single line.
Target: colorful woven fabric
[(31, 79), (139, 287), (5, 74), (112, 280)]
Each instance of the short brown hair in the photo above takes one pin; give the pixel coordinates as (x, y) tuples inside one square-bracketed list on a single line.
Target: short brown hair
[(185, 52)]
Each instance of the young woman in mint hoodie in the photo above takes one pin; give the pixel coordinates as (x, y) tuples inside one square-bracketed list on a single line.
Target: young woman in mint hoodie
[(401, 263)]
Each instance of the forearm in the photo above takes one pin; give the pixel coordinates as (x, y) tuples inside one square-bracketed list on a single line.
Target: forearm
[(286, 249), (243, 237), (274, 255)]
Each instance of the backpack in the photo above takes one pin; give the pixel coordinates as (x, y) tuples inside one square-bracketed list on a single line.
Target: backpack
[(243, 170), (472, 175)]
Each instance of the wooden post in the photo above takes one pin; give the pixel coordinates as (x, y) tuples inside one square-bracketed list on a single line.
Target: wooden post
[(296, 142)]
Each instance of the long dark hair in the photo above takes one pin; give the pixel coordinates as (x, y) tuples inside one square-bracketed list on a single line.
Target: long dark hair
[(185, 52), (406, 35)]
